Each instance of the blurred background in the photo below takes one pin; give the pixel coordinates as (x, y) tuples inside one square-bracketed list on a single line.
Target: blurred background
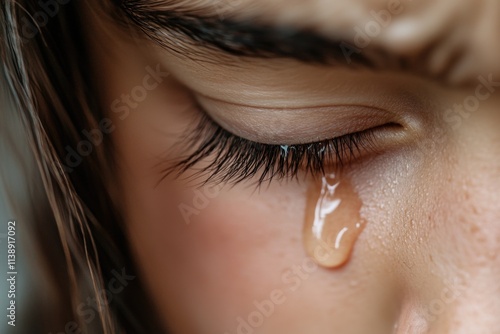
[(14, 193)]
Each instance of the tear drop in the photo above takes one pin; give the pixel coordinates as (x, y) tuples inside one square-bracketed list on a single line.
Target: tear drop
[(332, 221)]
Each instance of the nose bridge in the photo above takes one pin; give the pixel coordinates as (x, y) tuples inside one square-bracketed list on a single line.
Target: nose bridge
[(487, 27)]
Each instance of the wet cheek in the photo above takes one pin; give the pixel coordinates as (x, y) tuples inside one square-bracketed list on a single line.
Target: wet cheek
[(401, 205), (469, 227), (433, 222)]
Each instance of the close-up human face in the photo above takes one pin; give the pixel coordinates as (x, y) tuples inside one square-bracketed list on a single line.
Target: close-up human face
[(288, 166), (350, 189), (313, 197)]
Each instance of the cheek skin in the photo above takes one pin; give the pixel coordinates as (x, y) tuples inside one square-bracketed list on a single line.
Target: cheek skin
[(434, 220), (211, 268), (239, 249)]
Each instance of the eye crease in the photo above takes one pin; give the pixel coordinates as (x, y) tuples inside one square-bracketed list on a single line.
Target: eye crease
[(233, 159)]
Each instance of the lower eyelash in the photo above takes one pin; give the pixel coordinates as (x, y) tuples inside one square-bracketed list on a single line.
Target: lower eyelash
[(234, 159)]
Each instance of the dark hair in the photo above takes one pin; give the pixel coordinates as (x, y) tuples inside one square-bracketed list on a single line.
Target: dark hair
[(73, 214)]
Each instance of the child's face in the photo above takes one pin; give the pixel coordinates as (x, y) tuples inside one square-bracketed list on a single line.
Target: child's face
[(237, 259)]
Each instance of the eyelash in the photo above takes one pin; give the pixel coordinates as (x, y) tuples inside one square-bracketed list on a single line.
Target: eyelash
[(236, 159)]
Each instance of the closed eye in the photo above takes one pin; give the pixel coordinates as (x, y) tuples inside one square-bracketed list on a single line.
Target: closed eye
[(228, 158)]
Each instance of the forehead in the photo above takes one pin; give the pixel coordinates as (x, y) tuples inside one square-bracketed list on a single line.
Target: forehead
[(454, 39), (335, 13), (438, 29)]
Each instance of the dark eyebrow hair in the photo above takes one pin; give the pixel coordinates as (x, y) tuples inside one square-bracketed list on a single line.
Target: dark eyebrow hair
[(247, 38)]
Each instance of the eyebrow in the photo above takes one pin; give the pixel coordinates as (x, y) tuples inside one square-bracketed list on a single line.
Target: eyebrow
[(244, 38)]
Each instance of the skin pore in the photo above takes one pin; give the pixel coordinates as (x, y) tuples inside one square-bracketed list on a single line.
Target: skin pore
[(427, 259)]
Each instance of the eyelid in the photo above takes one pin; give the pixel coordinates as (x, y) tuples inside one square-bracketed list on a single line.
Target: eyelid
[(216, 155), (228, 158), (281, 125), (217, 152)]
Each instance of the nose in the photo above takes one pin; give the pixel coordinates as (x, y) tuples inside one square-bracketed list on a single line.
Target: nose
[(456, 309)]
